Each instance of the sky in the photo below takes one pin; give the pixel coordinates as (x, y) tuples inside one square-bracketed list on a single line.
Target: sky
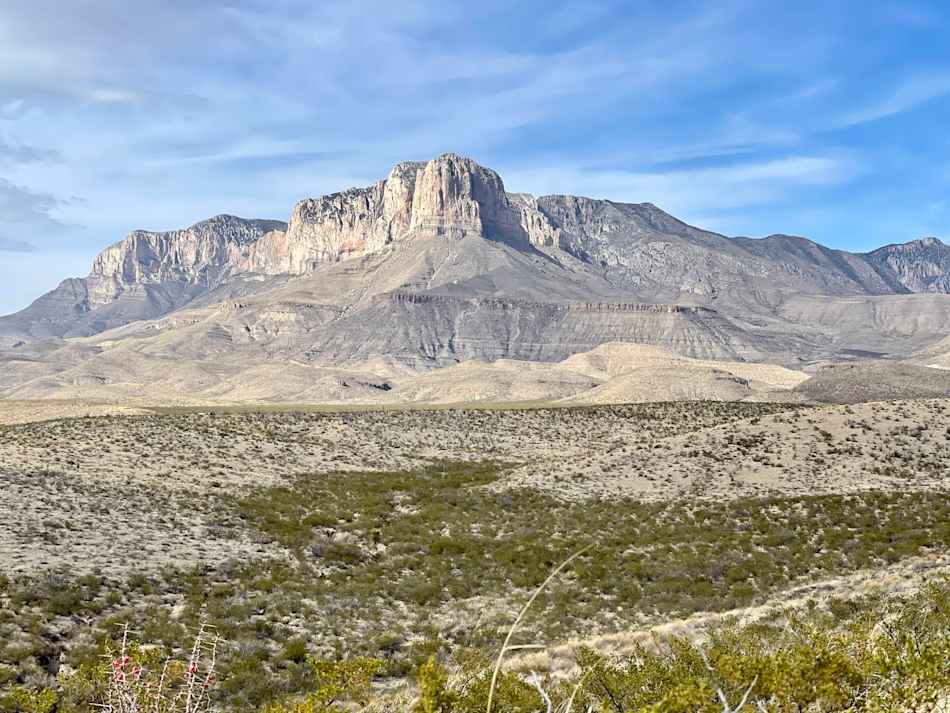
[(823, 119)]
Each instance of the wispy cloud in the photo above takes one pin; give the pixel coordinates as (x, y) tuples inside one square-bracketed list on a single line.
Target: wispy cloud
[(14, 153), (106, 95), (696, 191), (25, 209), (909, 94), (737, 135), (16, 246)]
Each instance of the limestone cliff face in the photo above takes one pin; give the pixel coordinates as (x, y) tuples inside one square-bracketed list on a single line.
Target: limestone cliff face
[(455, 197), (449, 225), (201, 254), (448, 197), (323, 230), (920, 265)]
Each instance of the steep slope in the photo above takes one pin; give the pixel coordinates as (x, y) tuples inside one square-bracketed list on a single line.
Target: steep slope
[(437, 264), (144, 276), (919, 266), (646, 250), (872, 325)]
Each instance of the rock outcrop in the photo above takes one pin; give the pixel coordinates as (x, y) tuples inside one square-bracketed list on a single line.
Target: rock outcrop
[(143, 276), (438, 262), (919, 266), (449, 197), (202, 254), (455, 197)]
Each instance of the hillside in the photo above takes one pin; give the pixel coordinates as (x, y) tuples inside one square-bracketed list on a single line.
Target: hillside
[(438, 264), (394, 534)]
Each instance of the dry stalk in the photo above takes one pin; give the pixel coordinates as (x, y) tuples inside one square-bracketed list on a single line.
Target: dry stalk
[(726, 708), (131, 691), (506, 646)]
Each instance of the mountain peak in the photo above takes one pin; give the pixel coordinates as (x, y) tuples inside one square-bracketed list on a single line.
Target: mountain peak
[(449, 196), (922, 265), (449, 220), (455, 196), (911, 245)]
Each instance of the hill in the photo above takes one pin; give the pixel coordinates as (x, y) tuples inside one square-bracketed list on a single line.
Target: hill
[(438, 264)]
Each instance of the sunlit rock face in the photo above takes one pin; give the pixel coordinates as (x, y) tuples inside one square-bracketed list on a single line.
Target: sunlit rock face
[(437, 261), (920, 265), (203, 253)]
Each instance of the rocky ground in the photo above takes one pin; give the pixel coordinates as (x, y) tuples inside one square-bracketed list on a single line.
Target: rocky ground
[(380, 532), (888, 446), (118, 492)]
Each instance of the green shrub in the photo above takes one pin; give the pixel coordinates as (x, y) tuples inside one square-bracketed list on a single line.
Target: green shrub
[(434, 693)]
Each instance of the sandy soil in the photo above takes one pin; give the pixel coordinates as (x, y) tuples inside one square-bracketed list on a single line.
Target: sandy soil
[(611, 373), (902, 578), (903, 445), (110, 489), (12, 412)]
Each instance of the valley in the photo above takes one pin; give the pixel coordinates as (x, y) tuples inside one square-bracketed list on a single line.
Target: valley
[(352, 446), (398, 533)]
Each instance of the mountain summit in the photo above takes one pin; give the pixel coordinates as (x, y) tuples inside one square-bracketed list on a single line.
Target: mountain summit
[(450, 196), (920, 265), (438, 263)]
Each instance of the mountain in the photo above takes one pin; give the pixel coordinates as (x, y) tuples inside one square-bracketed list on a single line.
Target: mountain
[(438, 264), (144, 276), (920, 265)]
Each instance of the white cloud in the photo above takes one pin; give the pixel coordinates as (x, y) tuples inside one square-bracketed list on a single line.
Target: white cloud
[(908, 95), (738, 134), (112, 96), (687, 193)]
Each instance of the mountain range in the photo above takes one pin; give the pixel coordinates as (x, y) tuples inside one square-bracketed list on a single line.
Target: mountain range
[(438, 264)]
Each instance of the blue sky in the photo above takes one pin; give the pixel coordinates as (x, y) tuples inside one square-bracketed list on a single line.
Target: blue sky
[(824, 119)]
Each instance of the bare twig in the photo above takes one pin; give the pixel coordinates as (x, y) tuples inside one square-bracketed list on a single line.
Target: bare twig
[(577, 687), (535, 681), (721, 694), (133, 689)]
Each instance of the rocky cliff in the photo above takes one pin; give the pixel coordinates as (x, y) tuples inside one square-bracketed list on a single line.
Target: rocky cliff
[(202, 254), (145, 275), (919, 266), (450, 197), (448, 228)]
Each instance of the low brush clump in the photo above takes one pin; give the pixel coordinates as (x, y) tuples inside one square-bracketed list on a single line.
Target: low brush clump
[(883, 656), (396, 566), (888, 657)]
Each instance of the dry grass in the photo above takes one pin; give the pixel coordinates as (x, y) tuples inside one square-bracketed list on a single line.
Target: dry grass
[(13, 412), (891, 446), (353, 533), (118, 493)]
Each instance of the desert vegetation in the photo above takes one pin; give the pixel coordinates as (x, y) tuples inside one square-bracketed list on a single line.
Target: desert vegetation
[(871, 655), (397, 566), (372, 556)]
